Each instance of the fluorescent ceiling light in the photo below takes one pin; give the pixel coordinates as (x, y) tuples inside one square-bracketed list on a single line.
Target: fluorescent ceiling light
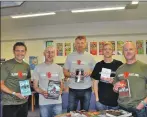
[(135, 2), (98, 9), (33, 15)]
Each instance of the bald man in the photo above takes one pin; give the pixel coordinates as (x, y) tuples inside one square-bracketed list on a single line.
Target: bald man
[(43, 74), (130, 83)]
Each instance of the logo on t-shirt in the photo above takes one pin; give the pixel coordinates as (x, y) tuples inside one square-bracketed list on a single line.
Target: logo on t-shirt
[(126, 74), (20, 74), (78, 62), (48, 74)]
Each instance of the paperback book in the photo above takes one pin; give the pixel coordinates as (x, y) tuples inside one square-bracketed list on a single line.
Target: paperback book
[(53, 89), (79, 76), (124, 90), (25, 87)]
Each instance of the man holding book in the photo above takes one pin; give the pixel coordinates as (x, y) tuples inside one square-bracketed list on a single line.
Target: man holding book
[(130, 83), (78, 68), (15, 73), (103, 74), (47, 81)]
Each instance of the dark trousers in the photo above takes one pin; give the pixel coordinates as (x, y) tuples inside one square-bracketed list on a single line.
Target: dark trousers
[(135, 112), (15, 110), (76, 95)]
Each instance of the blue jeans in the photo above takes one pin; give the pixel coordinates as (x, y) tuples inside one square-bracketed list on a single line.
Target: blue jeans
[(76, 95), (100, 106), (50, 110), (135, 112)]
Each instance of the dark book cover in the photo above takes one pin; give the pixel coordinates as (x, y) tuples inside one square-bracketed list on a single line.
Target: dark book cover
[(53, 89), (25, 87), (79, 76), (124, 90)]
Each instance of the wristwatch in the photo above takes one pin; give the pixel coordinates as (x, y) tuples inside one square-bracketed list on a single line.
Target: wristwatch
[(143, 103), (13, 93)]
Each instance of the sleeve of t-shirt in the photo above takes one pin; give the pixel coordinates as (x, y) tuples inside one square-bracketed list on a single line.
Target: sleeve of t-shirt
[(35, 75), (67, 64), (4, 72), (95, 73), (61, 75), (145, 71), (93, 63), (115, 80)]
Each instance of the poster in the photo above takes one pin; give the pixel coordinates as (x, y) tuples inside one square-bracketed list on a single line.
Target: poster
[(140, 47), (101, 47), (49, 43), (93, 48), (113, 44), (120, 47), (33, 61), (67, 48), (59, 47)]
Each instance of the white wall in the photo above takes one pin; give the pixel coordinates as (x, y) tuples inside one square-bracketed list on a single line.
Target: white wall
[(36, 47)]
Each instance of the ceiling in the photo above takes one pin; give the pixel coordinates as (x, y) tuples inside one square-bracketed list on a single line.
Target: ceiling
[(64, 16)]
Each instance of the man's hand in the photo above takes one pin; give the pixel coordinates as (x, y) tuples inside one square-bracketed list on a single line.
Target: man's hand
[(61, 91), (19, 95), (97, 99), (45, 94), (72, 74), (109, 80), (140, 106), (116, 86), (87, 74)]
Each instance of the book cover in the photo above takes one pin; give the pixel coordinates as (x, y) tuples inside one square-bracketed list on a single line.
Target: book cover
[(25, 87), (118, 113), (105, 73), (53, 89), (124, 90), (79, 76)]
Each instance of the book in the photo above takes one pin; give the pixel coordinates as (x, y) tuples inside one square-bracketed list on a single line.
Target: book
[(79, 76), (105, 73), (25, 87), (124, 90), (53, 89), (118, 113)]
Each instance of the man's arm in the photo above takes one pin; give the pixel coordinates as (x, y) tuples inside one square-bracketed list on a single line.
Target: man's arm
[(38, 89), (95, 87)]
